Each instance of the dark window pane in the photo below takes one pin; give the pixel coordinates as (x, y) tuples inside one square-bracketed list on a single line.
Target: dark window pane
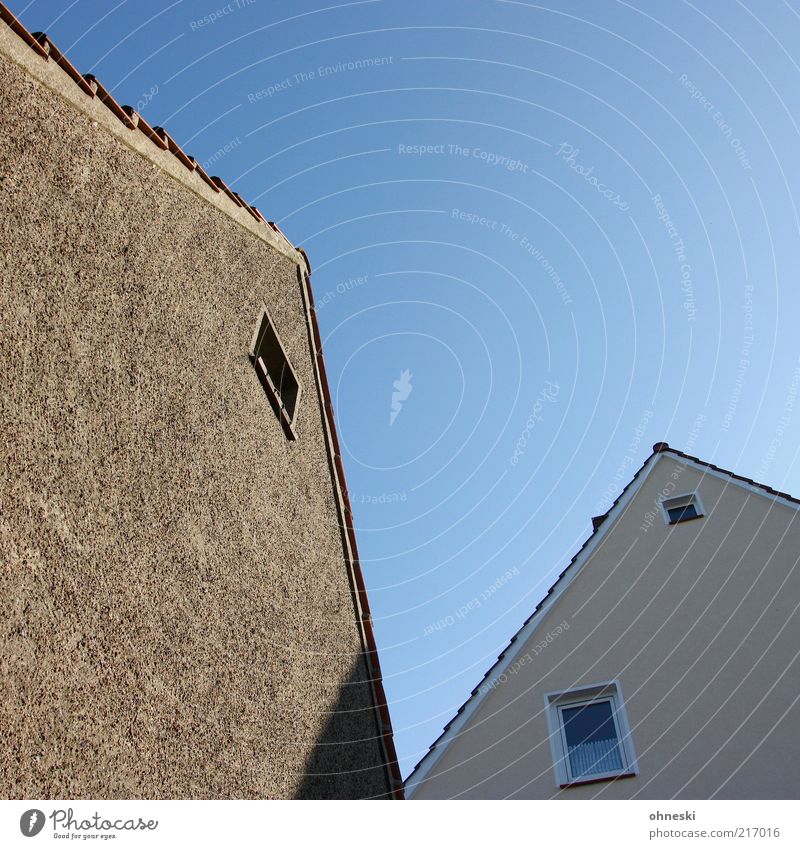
[(287, 389), (269, 350), (678, 514), (592, 745)]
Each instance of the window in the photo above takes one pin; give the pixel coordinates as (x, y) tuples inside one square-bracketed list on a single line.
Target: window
[(275, 372), (589, 734), (681, 508)]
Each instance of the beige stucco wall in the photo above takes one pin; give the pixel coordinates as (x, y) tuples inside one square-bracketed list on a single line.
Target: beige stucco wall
[(699, 622), (176, 618)]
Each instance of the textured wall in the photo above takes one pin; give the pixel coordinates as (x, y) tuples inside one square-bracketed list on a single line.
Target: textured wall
[(175, 613)]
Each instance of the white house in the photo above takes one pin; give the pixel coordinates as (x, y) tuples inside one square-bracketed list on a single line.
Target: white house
[(663, 663)]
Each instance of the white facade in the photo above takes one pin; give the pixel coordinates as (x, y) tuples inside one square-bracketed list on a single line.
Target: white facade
[(663, 665)]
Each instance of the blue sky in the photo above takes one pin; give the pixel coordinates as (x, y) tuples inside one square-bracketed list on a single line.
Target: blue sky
[(573, 224)]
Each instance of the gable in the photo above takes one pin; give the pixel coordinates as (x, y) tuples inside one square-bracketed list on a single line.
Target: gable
[(604, 608)]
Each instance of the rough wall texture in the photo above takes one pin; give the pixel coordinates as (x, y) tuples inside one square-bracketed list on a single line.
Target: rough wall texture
[(699, 623), (176, 618)]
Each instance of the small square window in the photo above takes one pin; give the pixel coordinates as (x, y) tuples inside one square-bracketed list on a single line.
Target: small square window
[(275, 372), (681, 508), (678, 514), (589, 735)]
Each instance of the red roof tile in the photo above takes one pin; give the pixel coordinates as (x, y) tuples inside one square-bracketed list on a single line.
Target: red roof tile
[(11, 19), (92, 87), (223, 185), (61, 60)]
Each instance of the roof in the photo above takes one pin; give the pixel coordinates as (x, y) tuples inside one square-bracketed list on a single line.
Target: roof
[(89, 86), (599, 529)]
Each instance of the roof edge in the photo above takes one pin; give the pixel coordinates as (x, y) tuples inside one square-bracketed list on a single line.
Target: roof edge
[(36, 54), (528, 627), (350, 544)]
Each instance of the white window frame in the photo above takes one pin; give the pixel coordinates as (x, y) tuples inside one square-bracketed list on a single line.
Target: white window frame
[(681, 501), (556, 701)]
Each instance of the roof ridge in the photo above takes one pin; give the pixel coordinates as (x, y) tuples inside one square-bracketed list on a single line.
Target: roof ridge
[(776, 492), (45, 48)]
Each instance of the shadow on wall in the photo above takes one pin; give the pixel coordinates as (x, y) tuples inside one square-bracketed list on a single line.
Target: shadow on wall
[(347, 761)]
